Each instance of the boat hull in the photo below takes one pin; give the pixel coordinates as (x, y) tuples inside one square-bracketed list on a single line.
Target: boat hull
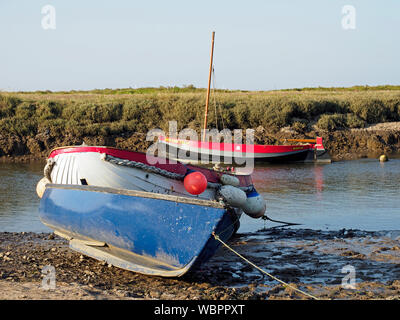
[(199, 156), (144, 232), (240, 154)]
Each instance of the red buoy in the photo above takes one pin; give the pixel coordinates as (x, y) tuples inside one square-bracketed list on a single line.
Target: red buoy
[(195, 183)]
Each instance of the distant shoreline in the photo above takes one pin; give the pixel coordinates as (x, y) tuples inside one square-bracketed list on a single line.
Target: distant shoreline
[(348, 144)]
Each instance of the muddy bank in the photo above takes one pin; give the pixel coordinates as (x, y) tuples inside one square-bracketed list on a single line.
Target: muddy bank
[(342, 144), (313, 261), (349, 144), (363, 143), (24, 149)]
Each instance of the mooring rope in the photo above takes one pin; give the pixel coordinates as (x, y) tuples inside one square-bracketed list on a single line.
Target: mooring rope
[(215, 102), (162, 172), (265, 217), (261, 270)]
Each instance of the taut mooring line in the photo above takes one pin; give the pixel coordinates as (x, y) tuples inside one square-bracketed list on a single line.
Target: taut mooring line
[(265, 217), (261, 270)]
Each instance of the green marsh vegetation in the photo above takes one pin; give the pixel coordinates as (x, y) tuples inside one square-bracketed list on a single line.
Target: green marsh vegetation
[(125, 111)]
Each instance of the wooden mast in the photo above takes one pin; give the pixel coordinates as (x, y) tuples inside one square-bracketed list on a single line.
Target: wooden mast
[(208, 88)]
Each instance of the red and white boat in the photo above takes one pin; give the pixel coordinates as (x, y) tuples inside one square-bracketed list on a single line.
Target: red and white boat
[(311, 150), (229, 153)]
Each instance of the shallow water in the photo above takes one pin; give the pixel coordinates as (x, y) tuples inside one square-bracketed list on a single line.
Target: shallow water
[(361, 194), (18, 200)]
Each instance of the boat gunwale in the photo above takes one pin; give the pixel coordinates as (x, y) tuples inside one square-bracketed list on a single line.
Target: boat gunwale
[(177, 165), (96, 147), (141, 194)]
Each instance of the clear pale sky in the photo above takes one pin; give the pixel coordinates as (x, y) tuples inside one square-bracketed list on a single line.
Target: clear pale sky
[(259, 44)]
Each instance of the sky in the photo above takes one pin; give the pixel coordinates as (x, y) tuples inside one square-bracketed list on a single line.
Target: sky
[(259, 44)]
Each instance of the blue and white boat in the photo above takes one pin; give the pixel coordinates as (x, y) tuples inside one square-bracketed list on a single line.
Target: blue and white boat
[(139, 217), (144, 232)]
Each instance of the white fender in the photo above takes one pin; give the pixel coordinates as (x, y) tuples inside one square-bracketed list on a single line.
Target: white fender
[(233, 196), (255, 205), (41, 186), (229, 180)]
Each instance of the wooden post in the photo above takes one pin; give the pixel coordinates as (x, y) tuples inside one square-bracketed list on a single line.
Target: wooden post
[(208, 88)]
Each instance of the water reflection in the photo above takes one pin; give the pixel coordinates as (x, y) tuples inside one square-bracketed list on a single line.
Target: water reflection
[(319, 181), (305, 178), (361, 194)]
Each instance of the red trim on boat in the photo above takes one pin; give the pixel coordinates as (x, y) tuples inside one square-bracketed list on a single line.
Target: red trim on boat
[(221, 146)]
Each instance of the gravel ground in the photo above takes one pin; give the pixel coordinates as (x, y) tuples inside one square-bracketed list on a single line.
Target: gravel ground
[(313, 261)]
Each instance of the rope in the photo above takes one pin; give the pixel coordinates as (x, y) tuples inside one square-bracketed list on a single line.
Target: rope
[(215, 102), (261, 270), (265, 217), (162, 172), (142, 166)]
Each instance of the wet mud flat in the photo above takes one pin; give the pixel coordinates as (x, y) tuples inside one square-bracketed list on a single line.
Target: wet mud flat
[(317, 262)]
